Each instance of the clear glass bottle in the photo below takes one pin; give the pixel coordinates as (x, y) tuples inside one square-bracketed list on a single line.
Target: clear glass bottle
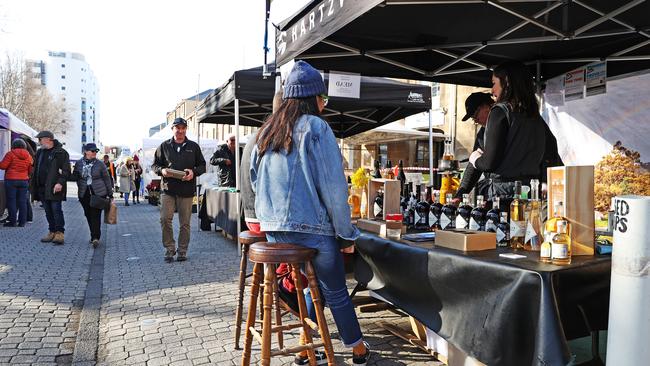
[(422, 210), (550, 227), (493, 217), (561, 244), (517, 219), (545, 252), (478, 216), (503, 231), (378, 206), (435, 211), (464, 213), (534, 238), (448, 216)]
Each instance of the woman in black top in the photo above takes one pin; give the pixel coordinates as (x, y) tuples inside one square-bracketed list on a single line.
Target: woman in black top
[(515, 135)]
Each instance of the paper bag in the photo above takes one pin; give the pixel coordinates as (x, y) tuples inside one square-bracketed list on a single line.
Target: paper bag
[(110, 215)]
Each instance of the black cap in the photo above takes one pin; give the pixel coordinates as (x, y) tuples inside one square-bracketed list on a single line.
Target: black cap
[(179, 121), (91, 147), (474, 101), (45, 134)]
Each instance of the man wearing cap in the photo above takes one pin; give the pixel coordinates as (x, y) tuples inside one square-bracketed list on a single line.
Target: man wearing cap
[(477, 107), (51, 172), (224, 159), (180, 154)]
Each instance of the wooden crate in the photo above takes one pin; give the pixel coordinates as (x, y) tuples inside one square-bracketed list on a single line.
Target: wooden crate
[(391, 196), (574, 186)]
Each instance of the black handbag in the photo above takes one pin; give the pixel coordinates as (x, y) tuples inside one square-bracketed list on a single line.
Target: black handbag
[(98, 202)]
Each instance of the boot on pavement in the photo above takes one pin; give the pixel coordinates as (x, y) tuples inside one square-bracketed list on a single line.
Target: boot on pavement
[(48, 238), (59, 238)]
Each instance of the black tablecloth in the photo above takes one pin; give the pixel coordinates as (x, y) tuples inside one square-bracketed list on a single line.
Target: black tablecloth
[(499, 311), (221, 207)]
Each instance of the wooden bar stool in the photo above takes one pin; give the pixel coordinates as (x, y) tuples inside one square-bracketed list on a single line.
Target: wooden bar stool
[(272, 254), (246, 238)]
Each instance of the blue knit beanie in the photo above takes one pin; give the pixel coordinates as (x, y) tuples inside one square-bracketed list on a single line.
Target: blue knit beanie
[(303, 81)]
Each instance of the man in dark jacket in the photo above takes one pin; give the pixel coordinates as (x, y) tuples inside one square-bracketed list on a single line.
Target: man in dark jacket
[(224, 159), (51, 172), (477, 107), (180, 154)]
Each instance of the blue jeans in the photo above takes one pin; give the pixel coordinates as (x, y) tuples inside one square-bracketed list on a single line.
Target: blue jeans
[(54, 215), (16, 193), (328, 264), (126, 198)]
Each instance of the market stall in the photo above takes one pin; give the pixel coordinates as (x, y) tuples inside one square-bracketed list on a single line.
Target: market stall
[(246, 99)]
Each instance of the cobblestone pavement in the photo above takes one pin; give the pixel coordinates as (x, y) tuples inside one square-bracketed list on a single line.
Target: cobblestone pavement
[(152, 312)]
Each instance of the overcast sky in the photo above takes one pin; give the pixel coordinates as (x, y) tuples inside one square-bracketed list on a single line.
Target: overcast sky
[(146, 54)]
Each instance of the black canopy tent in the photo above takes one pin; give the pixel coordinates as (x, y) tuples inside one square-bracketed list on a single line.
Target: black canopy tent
[(457, 41), (381, 101)]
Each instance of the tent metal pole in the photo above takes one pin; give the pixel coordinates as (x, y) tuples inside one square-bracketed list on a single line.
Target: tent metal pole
[(608, 16), (238, 174), (527, 18), (430, 144)]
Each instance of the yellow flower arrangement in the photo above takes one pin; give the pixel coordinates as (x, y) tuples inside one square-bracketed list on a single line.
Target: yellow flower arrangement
[(360, 178)]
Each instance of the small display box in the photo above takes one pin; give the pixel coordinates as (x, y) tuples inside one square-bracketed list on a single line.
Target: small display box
[(574, 187), (391, 188), (466, 240)]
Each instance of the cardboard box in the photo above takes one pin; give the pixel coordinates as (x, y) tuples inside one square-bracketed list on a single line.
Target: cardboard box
[(173, 173), (574, 186), (466, 240), (375, 226)]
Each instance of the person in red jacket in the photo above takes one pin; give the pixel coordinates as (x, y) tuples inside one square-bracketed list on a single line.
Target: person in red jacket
[(18, 165)]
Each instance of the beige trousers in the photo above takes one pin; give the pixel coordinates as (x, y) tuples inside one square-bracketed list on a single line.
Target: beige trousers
[(184, 207)]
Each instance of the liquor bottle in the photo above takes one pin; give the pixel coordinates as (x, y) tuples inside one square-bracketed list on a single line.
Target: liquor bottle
[(422, 210), (561, 244), (464, 213), (492, 218), (389, 170), (503, 231), (435, 210), (545, 252), (478, 216), (550, 227), (448, 216), (534, 238), (404, 206), (517, 219), (377, 172), (412, 201), (378, 207), (400, 175)]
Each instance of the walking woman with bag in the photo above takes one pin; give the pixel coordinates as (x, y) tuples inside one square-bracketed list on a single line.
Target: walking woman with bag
[(127, 179), (18, 166), (95, 189)]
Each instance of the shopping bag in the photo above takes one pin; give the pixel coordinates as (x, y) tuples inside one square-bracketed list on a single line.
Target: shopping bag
[(110, 215)]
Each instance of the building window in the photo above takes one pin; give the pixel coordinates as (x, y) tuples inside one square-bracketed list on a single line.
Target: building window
[(63, 88), (63, 66), (422, 154), (382, 154), (62, 76)]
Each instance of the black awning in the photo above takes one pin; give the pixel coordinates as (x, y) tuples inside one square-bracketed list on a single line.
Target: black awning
[(457, 41), (381, 101)]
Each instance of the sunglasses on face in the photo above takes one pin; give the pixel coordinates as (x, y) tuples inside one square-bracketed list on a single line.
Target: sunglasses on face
[(325, 98)]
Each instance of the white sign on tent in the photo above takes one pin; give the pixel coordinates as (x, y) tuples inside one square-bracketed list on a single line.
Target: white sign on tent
[(346, 85)]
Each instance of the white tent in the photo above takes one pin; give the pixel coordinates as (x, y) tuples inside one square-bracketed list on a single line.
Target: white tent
[(587, 128)]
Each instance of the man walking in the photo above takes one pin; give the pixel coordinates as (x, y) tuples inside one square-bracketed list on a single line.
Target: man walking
[(224, 159), (51, 172), (180, 154)]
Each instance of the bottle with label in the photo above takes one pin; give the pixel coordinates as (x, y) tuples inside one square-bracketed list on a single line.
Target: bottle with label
[(478, 216), (422, 210), (545, 252), (503, 231), (378, 206), (534, 237), (492, 217), (377, 172), (404, 206), (561, 244), (400, 175), (550, 227), (389, 170), (448, 216), (435, 211), (464, 213), (517, 219)]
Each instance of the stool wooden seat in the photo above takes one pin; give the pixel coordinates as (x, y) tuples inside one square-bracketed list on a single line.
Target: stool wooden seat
[(246, 238), (269, 255)]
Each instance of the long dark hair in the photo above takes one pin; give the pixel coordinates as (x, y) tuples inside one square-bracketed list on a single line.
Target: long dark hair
[(276, 132), (517, 86)]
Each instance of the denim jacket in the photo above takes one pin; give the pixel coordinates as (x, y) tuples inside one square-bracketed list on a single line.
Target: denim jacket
[(305, 190)]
